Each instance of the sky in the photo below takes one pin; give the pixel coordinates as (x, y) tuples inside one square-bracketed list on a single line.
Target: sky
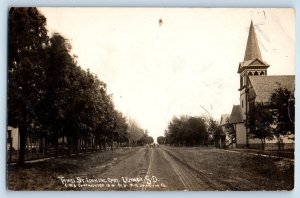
[(164, 62)]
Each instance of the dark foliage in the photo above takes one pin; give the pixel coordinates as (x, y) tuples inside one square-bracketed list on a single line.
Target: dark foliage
[(51, 95), (187, 131)]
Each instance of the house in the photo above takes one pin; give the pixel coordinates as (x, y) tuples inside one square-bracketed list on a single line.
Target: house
[(236, 119), (223, 138), (13, 138), (256, 86), (220, 136)]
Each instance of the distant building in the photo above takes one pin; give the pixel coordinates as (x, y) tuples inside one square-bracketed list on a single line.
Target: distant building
[(12, 138), (223, 138), (255, 86), (220, 135)]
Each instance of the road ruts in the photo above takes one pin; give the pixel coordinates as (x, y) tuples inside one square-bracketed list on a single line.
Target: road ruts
[(213, 183), (172, 173), (132, 166), (144, 188), (189, 180)]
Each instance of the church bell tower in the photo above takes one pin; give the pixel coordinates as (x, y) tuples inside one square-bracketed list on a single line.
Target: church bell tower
[(253, 64)]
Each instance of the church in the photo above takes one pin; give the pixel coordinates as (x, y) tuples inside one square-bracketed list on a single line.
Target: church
[(255, 86)]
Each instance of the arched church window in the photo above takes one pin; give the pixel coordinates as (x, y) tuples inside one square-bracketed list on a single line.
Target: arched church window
[(255, 73), (241, 81), (250, 74), (262, 73)]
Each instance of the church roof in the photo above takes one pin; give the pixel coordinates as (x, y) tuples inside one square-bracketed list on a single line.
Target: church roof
[(236, 115), (264, 86), (255, 62), (224, 118), (252, 50)]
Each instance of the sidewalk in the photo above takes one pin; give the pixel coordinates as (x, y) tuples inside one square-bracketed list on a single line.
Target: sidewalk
[(46, 158), (258, 152), (67, 155)]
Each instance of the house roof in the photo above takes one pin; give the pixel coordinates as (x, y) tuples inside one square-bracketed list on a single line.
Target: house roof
[(252, 49), (236, 115), (224, 118), (264, 86)]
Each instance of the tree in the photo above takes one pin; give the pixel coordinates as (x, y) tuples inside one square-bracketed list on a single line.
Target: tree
[(161, 140), (282, 104), (230, 130), (56, 86), (212, 128), (196, 129), (135, 132), (187, 131), (120, 131), (27, 41), (273, 119), (175, 133), (149, 140), (260, 123)]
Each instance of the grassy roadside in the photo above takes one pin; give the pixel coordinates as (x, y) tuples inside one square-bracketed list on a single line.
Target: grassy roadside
[(44, 175), (287, 154), (247, 172)]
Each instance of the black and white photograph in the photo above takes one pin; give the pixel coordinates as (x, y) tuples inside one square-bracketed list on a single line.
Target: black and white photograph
[(150, 99)]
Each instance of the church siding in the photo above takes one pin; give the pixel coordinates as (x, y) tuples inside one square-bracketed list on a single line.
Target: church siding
[(240, 135)]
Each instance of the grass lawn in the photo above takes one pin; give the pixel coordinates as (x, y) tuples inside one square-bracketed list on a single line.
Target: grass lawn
[(249, 172), (44, 175)]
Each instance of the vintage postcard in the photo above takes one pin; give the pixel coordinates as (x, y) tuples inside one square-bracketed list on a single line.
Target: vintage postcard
[(150, 99)]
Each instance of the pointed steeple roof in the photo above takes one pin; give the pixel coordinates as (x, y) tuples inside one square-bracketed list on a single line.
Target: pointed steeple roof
[(252, 58), (252, 50)]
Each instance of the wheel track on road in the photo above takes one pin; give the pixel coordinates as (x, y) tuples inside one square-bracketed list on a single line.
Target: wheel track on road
[(184, 178), (149, 169), (205, 176)]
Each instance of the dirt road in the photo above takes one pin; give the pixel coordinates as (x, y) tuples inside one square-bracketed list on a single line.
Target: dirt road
[(162, 169), (151, 169), (156, 169)]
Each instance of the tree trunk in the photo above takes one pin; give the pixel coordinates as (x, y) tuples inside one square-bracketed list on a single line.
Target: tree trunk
[(262, 144), (56, 144), (43, 143), (69, 145), (63, 145), (75, 143), (22, 133)]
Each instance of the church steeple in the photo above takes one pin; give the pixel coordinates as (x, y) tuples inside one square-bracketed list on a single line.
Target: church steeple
[(253, 63), (252, 49)]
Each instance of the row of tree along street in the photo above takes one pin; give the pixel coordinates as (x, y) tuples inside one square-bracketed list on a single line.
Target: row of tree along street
[(51, 98), (191, 131)]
